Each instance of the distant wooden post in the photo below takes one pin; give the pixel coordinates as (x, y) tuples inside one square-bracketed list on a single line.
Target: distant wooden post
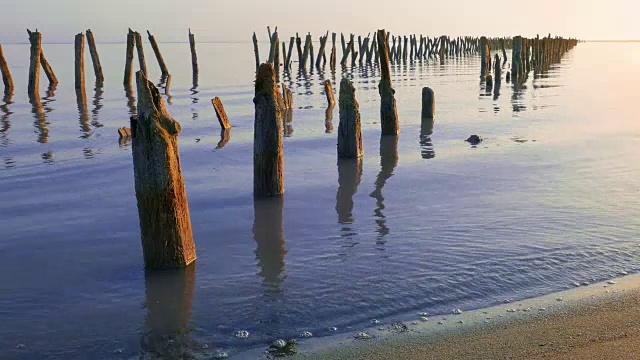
[(504, 51), (220, 113), (128, 66), (323, 44), (299, 47), (156, 51), (349, 136), (428, 103), (81, 94), (516, 59), (388, 110), (194, 56), (485, 57), (141, 60), (34, 64), (255, 50), (332, 59), (268, 166), (287, 97), (165, 224), (497, 70), (6, 75), (328, 90), (95, 59), (292, 40)]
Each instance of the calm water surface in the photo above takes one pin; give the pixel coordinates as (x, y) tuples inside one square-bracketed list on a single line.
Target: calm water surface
[(425, 223)]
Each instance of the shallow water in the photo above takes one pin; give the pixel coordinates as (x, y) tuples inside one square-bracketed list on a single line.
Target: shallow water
[(426, 223)]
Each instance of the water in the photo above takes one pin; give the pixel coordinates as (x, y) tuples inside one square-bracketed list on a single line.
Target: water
[(426, 224)]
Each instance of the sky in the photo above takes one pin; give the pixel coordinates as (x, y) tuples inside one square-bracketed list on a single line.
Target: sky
[(236, 20)]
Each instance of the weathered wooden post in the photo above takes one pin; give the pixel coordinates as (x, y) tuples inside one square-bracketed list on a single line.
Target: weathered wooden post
[(156, 51), (428, 103), (141, 60), (95, 59), (220, 113), (349, 136), (81, 94), (194, 56), (485, 57), (289, 53), (516, 59), (48, 71), (388, 110), (345, 54), (504, 52), (328, 90), (332, 59), (165, 224), (6, 75), (128, 66), (255, 50), (268, 166), (323, 44), (34, 64), (287, 97), (497, 70)]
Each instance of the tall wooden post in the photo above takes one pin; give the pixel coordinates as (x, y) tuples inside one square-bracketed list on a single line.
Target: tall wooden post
[(156, 51), (139, 47), (349, 136), (428, 103), (194, 56), (48, 71), (95, 59), (332, 59), (165, 224), (6, 75), (255, 50), (328, 90), (34, 64), (81, 94), (388, 110), (485, 58), (268, 165), (516, 59), (128, 65)]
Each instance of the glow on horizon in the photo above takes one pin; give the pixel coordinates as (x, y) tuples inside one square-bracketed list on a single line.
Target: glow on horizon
[(235, 20)]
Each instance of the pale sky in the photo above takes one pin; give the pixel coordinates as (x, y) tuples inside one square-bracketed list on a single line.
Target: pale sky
[(235, 20)]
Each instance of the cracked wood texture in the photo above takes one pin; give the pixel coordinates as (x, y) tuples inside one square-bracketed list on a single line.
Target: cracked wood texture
[(34, 64), (165, 224), (349, 135), (388, 109), (268, 165), (220, 113)]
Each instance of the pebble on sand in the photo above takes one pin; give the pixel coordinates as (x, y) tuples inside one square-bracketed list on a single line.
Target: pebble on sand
[(457, 311), (242, 334)]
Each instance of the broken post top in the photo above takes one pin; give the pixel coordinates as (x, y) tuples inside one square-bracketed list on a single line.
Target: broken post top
[(151, 104), (266, 80)]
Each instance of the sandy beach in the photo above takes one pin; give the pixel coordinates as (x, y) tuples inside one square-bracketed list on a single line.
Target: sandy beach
[(589, 326)]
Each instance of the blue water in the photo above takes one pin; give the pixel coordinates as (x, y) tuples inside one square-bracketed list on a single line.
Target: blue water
[(427, 223)]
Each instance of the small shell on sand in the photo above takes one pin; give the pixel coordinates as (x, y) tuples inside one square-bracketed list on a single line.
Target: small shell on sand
[(363, 336), (559, 299), (424, 318), (242, 334), (611, 282), (221, 355), (306, 334), (440, 323), (333, 328), (374, 321), (457, 311), (511, 310), (424, 314), (279, 344)]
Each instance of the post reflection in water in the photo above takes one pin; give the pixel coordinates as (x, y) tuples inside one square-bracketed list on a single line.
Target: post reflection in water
[(169, 297), (194, 96), (349, 175), (328, 119), (40, 119), (270, 244), (97, 103), (287, 119), (131, 101), (225, 136), (388, 163), (6, 123), (83, 114), (426, 145), (517, 102)]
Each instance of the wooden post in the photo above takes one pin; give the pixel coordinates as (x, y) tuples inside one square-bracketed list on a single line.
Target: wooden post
[(34, 64), (497, 69), (156, 50), (305, 54), (220, 113), (388, 110), (6, 75), (323, 43), (276, 55), (289, 53), (504, 52), (95, 59), (48, 71), (516, 59), (81, 94), (128, 66), (141, 60), (287, 97), (268, 166), (255, 50), (165, 224), (485, 58), (194, 56), (345, 55), (299, 47), (328, 90), (349, 136), (428, 103), (332, 59)]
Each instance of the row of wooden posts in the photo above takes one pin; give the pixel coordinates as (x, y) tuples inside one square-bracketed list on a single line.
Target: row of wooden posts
[(401, 49), (526, 54), (165, 224)]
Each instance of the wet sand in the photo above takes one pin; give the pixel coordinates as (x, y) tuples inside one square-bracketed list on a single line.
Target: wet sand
[(601, 326)]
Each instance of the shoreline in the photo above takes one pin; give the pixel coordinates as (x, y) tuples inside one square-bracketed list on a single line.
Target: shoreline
[(599, 321)]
